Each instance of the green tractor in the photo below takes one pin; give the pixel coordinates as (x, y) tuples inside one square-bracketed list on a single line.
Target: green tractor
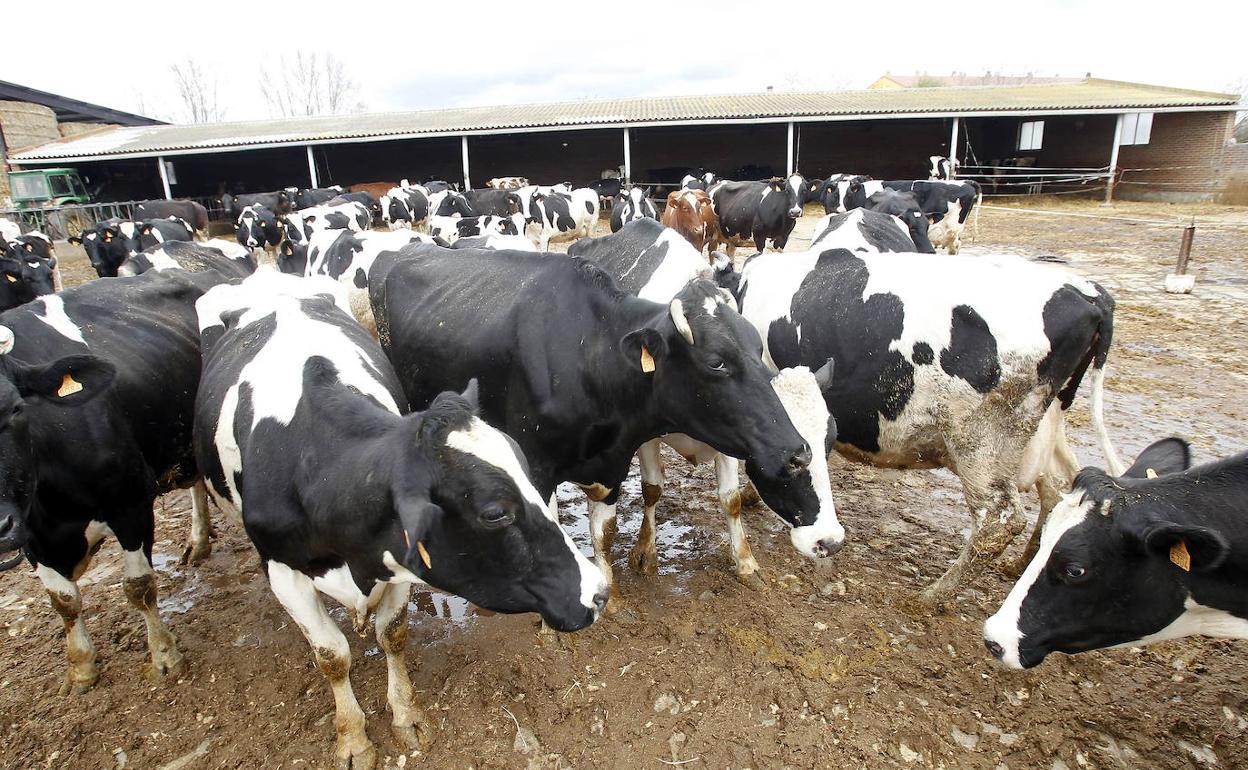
[(39, 194)]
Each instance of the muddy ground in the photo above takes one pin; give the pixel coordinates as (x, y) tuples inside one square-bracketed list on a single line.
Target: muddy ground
[(823, 668)]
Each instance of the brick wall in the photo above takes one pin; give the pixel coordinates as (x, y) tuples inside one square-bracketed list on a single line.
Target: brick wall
[(1189, 151)]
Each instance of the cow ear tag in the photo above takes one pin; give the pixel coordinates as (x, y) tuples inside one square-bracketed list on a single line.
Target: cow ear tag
[(10, 278), (424, 555), (1150, 473), (1181, 558), (69, 386), (647, 360)]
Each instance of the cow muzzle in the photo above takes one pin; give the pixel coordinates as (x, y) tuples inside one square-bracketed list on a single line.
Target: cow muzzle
[(795, 212)]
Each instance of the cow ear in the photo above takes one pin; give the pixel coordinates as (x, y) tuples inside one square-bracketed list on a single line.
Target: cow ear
[(1169, 455), (145, 230), (823, 377), (76, 240), (419, 519), (67, 381), (1188, 546), (644, 349), (472, 394)]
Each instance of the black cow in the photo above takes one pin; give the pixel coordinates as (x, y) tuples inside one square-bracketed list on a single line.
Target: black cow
[(584, 383), (225, 258), (372, 500), (191, 212), (491, 202), (306, 198), (279, 202), (755, 212), (632, 204), (607, 189), (258, 227), (962, 363), (97, 393), (1156, 553), (861, 230), (905, 207), (437, 185), (26, 272)]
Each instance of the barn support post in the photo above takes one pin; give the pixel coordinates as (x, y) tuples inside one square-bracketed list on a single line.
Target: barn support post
[(1113, 161), (628, 158), (953, 144), (463, 150), (312, 168), (790, 157), (164, 176)]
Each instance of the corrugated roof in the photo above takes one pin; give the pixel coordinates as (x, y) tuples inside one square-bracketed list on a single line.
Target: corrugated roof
[(1090, 94)]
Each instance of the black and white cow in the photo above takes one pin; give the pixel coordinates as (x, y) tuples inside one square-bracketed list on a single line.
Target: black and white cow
[(632, 204), (906, 208), (257, 227), (939, 201), (497, 203), (361, 197), (225, 258), (584, 383), (451, 229), (560, 213), (27, 273), (495, 242), (312, 196), (939, 167), (654, 262), (1156, 553), (962, 363), (279, 202), (374, 499), (97, 389), (757, 212), (115, 240), (9, 230), (698, 180), (449, 203), (435, 185), (347, 257), (861, 230), (344, 216)]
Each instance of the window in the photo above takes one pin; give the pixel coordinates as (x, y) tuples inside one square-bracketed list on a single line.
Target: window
[(60, 184), (1030, 134), (170, 173), (1137, 128)]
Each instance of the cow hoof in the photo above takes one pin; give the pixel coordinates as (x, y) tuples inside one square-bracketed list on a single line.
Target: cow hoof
[(194, 553), (752, 580), (169, 667), (363, 759), (644, 561), (1014, 569), (418, 736), (929, 603), (78, 684)]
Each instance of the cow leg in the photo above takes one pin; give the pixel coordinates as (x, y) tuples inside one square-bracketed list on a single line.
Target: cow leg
[(644, 556), (140, 589), (199, 545), (411, 727), (1062, 468), (602, 529), (298, 595), (66, 599), (728, 486)]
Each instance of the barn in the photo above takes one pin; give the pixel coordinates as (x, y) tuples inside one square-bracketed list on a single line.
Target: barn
[(1066, 135)]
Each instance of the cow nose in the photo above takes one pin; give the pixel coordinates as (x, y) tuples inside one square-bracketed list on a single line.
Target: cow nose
[(798, 462), (600, 601), (995, 649), (795, 213), (828, 547)]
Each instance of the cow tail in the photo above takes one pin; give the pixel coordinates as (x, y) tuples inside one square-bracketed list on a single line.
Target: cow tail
[(979, 203), (1100, 352)]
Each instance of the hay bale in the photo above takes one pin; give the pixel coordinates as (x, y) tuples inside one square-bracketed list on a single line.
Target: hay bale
[(27, 124), (74, 129)]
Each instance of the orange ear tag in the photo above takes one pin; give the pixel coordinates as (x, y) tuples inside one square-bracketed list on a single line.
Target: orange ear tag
[(69, 386), (1181, 558), (647, 361)]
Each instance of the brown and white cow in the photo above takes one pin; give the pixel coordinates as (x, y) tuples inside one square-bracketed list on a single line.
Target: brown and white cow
[(692, 214)]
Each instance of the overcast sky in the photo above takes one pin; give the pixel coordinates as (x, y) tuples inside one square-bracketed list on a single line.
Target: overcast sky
[(445, 54)]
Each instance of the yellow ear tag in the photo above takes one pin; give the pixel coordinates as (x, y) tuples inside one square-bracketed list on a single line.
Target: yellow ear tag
[(69, 386), (1181, 558), (647, 360), (1150, 473), (424, 555), (407, 540), (11, 278)]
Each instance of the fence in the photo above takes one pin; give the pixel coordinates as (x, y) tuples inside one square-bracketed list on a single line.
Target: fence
[(1035, 180), (60, 222)]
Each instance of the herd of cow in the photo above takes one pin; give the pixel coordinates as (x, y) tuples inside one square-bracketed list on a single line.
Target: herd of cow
[(396, 406)]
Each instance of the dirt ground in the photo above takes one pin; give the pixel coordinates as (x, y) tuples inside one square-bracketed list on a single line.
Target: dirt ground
[(824, 668)]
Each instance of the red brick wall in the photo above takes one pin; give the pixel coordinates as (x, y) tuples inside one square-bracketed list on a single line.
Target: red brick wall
[(1189, 151)]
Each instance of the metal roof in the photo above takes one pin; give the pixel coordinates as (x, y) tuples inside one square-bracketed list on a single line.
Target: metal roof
[(72, 110), (1088, 95)]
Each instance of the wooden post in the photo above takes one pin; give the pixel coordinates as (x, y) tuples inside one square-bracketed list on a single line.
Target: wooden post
[(1113, 161), (1185, 248), (164, 177), (790, 159), (463, 149), (953, 147), (628, 158), (312, 168)]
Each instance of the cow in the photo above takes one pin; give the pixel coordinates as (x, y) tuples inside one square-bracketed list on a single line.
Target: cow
[(116, 361), (507, 183), (365, 199), (496, 242), (279, 202), (345, 216), (38, 245), (692, 214), (405, 206), (258, 228), (940, 167), (962, 363), (653, 262), (1149, 554), (498, 203), (938, 200), (375, 189), (451, 229), (191, 212), (757, 212), (116, 239), (861, 230), (831, 192), (561, 214), (449, 203), (27, 273), (376, 498), (433, 185), (607, 190), (905, 207), (306, 198), (698, 180), (632, 204), (347, 257), (584, 383), (9, 230), (224, 258)]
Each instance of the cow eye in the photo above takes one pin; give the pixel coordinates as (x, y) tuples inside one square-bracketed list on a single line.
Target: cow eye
[(717, 365), (498, 514), (1074, 571)]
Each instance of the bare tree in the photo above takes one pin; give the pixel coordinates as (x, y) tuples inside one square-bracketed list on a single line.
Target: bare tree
[(309, 84), (198, 93)]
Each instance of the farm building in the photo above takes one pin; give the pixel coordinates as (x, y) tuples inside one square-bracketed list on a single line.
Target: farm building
[(1035, 136)]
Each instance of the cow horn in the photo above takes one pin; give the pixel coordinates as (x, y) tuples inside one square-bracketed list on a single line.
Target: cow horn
[(682, 323), (6, 340)]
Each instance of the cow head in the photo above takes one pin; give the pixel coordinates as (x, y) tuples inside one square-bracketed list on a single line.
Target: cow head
[(65, 383), (117, 240), (475, 525), (1118, 558), (257, 227), (791, 189), (853, 193), (453, 204), (25, 274), (709, 381), (292, 257), (804, 500)]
